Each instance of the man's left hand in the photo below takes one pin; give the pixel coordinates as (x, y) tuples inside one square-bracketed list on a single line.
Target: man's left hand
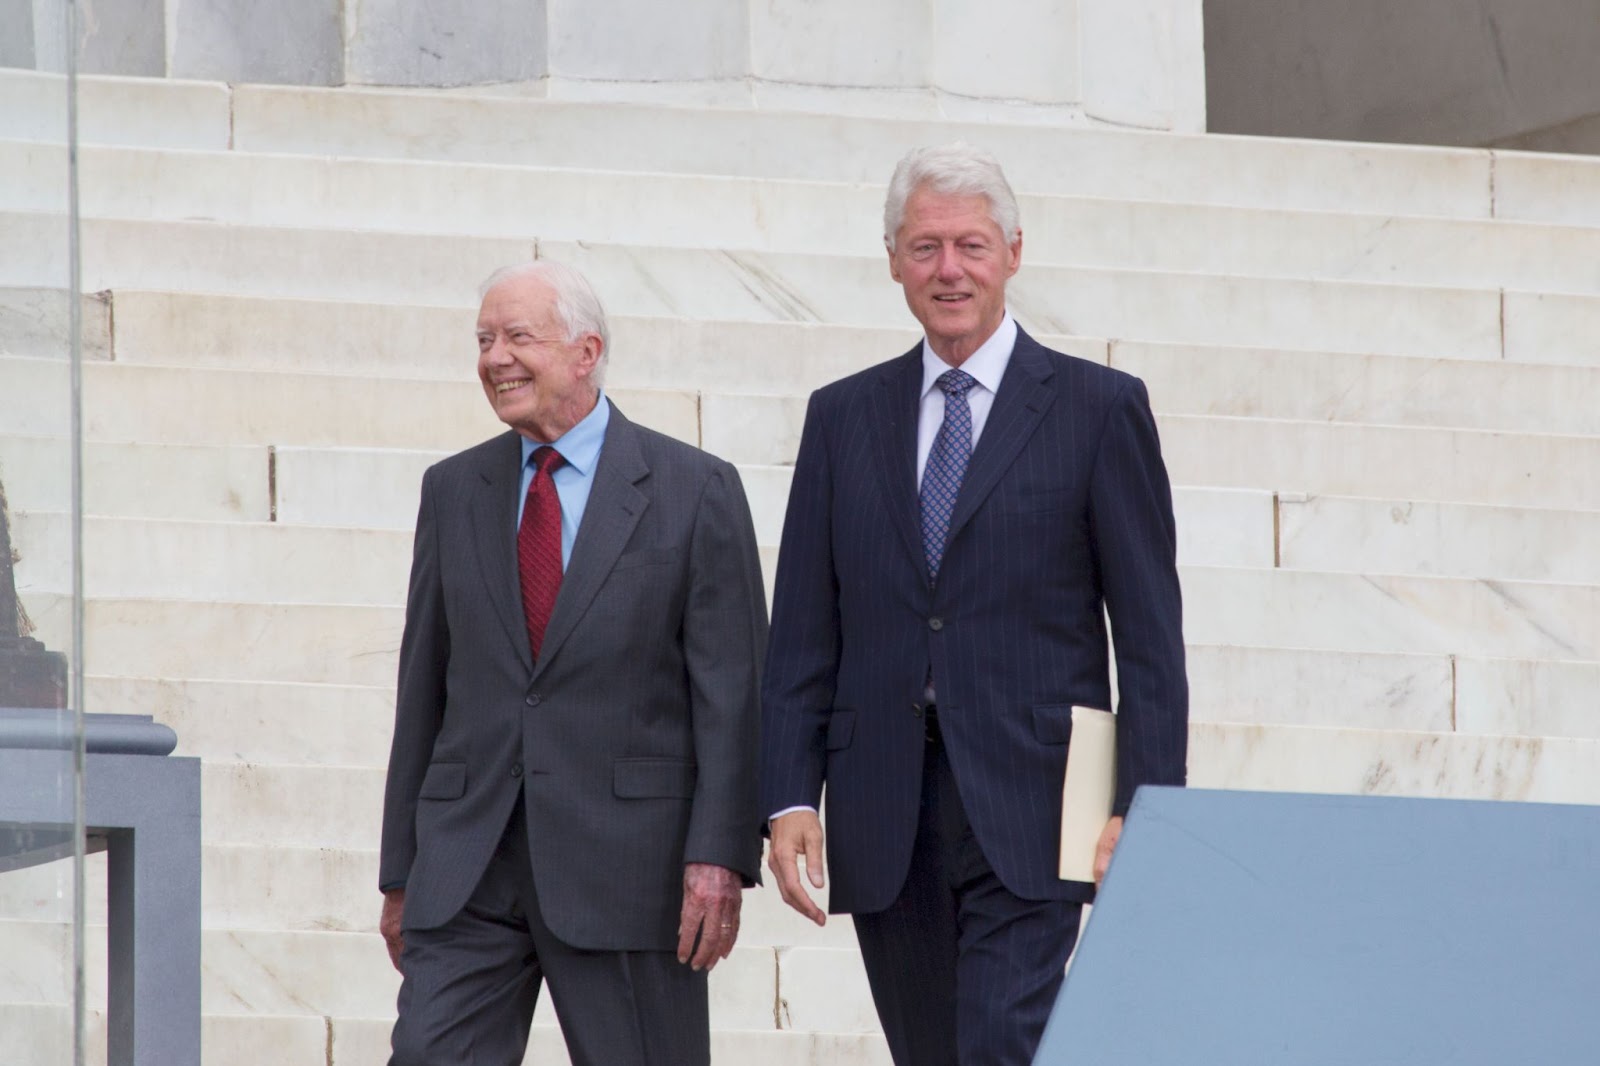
[(1103, 849), (711, 899)]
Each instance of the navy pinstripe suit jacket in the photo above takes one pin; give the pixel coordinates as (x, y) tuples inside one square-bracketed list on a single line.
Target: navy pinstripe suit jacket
[(1065, 515)]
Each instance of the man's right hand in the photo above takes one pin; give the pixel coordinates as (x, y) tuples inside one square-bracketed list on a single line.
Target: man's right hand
[(793, 835), (394, 904)]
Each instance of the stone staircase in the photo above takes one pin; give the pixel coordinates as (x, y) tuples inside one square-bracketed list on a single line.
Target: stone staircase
[(1374, 371)]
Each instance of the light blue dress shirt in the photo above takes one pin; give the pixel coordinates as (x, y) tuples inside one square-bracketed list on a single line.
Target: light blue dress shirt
[(580, 447)]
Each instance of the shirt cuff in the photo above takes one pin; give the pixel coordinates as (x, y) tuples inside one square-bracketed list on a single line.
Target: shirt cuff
[(790, 810)]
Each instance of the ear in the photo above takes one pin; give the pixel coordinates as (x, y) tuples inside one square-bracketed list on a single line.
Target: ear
[(894, 265), (592, 349), (1016, 254)]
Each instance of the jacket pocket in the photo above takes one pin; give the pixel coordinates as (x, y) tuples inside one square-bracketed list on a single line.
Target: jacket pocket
[(644, 557), (841, 729), (639, 778), (444, 781), (1052, 722)]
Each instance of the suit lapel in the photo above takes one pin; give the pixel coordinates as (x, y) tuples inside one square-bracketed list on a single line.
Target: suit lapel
[(1026, 392), (614, 507), (896, 401), (493, 514)]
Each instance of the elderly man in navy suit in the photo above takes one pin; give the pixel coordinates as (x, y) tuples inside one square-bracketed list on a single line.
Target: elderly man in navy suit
[(962, 520)]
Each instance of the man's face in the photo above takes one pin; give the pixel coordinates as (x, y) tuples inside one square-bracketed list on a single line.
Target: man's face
[(536, 380), (953, 262)]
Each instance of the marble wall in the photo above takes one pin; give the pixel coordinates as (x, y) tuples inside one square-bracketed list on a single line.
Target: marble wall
[(1132, 63)]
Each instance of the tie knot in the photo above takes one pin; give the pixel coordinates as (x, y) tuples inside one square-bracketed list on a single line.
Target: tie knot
[(956, 383), (547, 460)]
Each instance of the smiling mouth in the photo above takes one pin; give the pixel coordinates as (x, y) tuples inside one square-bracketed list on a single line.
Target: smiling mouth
[(951, 297), (507, 386)]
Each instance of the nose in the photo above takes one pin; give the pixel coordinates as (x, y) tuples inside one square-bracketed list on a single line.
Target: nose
[(497, 354), (949, 266)]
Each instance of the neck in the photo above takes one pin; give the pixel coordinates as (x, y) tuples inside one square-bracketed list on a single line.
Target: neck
[(562, 420)]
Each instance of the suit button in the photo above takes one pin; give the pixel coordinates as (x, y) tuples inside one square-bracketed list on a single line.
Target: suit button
[(533, 700), (936, 624), (916, 709), (516, 769)]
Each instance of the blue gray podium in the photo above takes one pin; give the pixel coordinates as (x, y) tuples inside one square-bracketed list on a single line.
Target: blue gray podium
[(142, 807), (1261, 929)]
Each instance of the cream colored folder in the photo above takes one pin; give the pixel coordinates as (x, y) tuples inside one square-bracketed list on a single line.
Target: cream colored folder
[(1089, 790)]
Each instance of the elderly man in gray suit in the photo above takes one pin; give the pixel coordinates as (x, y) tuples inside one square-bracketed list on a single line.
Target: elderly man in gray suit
[(571, 794)]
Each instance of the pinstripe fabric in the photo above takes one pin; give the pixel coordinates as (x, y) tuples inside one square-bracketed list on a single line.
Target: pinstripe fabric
[(632, 738), (472, 983), (961, 970), (1064, 515)]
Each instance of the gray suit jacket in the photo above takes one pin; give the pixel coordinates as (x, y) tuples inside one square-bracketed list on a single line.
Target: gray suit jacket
[(633, 738)]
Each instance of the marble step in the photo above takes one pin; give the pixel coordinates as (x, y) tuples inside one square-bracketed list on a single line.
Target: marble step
[(485, 127), (1254, 607), (42, 1036), (36, 322), (1387, 390), (319, 974), (309, 724), (1453, 540), (772, 214), (293, 563), (289, 888), (186, 405), (169, 332), (1531, 469), (705, 284), (201, 483)]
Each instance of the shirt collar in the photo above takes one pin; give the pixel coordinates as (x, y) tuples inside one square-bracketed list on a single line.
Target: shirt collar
[(987, 365), (580, 445)]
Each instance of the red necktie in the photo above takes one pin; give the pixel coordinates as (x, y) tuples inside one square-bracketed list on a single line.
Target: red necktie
[(539, 547)]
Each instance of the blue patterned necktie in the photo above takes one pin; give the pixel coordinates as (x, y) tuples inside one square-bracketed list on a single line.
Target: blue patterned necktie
[(947, 463)]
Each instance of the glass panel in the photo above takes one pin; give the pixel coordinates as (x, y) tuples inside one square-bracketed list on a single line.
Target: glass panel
[(41, 841)]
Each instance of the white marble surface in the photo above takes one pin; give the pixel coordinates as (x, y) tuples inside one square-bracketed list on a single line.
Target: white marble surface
[(239, 562), (1462, 466), (297, 42), (1547, 188), (780, 215), (1386, 390), (824, 990), (1249, 172), (367, 488), (1537, 698), (139, 480), (982, 50), (1165, 87), (888, 44), (1453, 540), (1194, 309), (1552, 328), (34, 324), (258, 721), (229, 641), (1297, 686), (1394, 763), (145, 111), (288, 806), (1387, 614), (390, 42)]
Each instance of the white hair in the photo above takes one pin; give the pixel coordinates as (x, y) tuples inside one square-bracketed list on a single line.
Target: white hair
[(953, 169), (577, 305)]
